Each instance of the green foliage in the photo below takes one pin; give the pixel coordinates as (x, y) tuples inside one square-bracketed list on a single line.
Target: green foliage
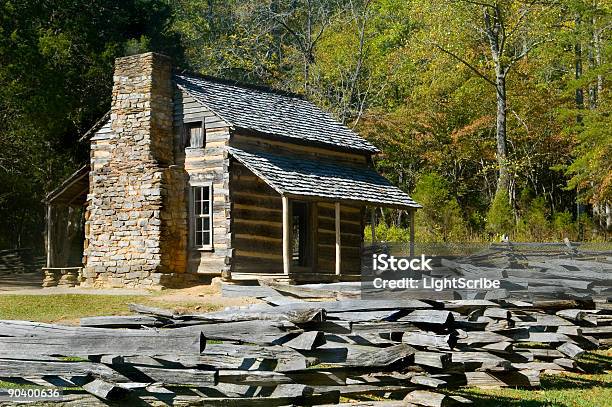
[(500, 220), (534, 225), (386, 233), (591, 170), (135, 46), (564, 226), (56, 64), (376, 65), (440, 219)]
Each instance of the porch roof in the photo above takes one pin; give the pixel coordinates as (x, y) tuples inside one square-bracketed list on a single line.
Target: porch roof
[(298, 177), (72, 191)]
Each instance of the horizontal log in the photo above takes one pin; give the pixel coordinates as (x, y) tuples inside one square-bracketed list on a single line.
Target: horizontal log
[(235, 290), (429, 399), (306, 341), (545, 354), (384, 327), (361, 305), (254, 378), (104, 390), (257, 332), (428, 381), (482, 337), (296, 316), (435, 317), (128, 321), (570, 349), (47, 339), (430, 339), (304, 292), (436, 360), (10, 368), (368, 316), (156, 312), (363, 356)]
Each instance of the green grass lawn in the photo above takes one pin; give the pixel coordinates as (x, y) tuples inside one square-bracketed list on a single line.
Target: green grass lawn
[(591, 389), (70, 307)]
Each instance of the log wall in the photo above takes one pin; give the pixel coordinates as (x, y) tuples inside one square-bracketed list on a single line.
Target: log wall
[(351, 237), (256, 222), (351, 215), (258, 229), (203, 165), (256, 143)]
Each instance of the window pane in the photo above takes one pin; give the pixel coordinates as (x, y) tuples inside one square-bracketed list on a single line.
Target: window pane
[(205, 200), (201, 222)]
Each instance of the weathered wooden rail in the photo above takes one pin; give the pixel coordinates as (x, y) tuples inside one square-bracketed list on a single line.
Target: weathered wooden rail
[(272, 355), (293, 349)]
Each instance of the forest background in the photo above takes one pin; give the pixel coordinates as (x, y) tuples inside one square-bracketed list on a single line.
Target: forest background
[(495, 115)]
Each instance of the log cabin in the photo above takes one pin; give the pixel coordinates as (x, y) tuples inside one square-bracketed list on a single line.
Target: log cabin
[(191, 175)]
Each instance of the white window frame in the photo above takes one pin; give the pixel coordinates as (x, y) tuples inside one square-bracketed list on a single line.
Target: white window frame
[(192, 216)]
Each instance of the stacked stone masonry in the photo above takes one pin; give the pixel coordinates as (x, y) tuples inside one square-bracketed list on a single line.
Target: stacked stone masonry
[(136, 221)]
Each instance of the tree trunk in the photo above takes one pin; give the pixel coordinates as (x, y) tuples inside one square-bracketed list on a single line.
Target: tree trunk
[(578, 71), (503, 182), (494, 31)]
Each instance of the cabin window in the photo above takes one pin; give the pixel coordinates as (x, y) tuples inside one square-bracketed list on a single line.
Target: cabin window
[(195, 135), (201, 216)]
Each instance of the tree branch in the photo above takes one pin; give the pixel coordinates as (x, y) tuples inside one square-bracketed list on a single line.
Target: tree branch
[(517, 26), (526, 51), (292, 32), (464, 62)]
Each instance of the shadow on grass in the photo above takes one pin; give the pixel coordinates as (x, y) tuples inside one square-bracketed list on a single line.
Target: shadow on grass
[(564, 382), (594, 363), (491, 400)]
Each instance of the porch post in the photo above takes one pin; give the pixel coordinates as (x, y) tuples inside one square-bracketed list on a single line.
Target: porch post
[(286, 236), (412, 232), (338, 242), (49, 227)]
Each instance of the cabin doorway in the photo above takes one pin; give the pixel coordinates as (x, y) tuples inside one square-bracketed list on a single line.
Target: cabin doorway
[(301, 234)]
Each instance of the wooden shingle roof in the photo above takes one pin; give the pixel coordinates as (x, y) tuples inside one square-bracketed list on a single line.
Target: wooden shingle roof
[(273, 113), (73, 191), (322, 179)]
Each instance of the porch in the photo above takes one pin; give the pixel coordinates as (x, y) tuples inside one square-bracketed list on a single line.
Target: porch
[(321, 214), (64, 235)]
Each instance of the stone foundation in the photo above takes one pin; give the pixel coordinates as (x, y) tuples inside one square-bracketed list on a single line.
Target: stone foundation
[(61, 277)]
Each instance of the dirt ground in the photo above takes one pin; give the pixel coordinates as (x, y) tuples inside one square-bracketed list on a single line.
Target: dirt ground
[(186, 298), (206, 294)]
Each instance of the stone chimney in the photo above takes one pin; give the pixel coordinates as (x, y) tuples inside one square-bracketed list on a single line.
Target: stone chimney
[(129, 215)]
